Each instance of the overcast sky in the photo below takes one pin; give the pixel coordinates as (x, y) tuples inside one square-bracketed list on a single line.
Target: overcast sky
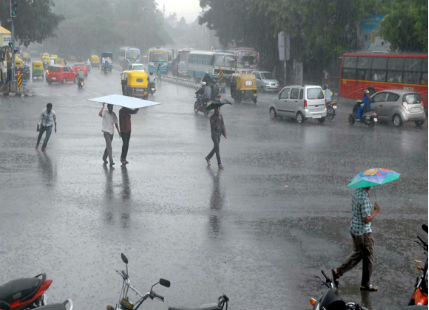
[(189, 9)]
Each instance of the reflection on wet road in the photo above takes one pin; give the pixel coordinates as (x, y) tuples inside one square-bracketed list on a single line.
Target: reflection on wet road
[(258, 231)]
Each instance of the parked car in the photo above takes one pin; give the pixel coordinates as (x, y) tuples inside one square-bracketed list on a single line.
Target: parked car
[(265, 81), (80, 65), (399, 106), (300, 103), (59, 73)]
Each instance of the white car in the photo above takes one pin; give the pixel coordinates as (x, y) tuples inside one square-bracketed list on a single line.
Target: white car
[(265, 81), (136, 67)]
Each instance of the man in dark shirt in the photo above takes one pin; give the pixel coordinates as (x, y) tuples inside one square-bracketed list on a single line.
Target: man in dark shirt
[(125, 128), (217, 129)]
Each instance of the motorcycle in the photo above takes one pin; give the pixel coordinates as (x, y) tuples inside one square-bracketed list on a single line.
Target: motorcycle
[(126, 304), (368, 118), (420, 295), (330, 300), (66, 305), (24, 293), (152, 88), (331, 107), (200, 104), (80, 83)]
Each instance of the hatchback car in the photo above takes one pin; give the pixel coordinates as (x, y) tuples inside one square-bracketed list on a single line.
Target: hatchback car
[(265, 81), (58, 73), (399, 106), (300, 103)]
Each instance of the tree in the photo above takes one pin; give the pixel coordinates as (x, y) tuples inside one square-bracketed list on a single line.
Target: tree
[(406, 25), (34, 21)]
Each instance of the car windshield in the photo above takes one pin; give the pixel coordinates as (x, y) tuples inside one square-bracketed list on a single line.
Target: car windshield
[(412, 98), (138, 67), (315, 93), (267, 76)]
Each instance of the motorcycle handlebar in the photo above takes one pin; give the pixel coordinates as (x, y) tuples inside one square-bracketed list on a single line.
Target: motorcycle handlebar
[(326, 277), (153, 295)]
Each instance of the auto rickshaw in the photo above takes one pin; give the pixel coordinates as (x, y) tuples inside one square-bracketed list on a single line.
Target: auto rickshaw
[(46, 61), (243, 87), (37, 68), (95, 61), (135, 84)]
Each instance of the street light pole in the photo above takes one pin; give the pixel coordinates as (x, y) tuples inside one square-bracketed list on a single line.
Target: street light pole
[(13, 41)]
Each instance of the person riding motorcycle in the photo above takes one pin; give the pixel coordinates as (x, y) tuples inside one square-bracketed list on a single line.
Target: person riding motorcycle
[(365, 106), (328, 94), (80, 76)]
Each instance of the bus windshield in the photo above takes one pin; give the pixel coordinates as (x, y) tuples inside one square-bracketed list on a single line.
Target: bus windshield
[(132, 54), (158, 56)]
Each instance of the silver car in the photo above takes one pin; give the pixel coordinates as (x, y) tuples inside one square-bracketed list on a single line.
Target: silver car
[(398, 106), (265, 81), (300, 103)]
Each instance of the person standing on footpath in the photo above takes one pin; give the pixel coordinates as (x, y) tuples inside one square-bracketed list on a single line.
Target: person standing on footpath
[(363, 214), (47, 119), (217, 129), (109, 120), (125, 126)]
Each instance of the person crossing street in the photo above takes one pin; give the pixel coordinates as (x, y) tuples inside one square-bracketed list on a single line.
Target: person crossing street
[(48, 119)]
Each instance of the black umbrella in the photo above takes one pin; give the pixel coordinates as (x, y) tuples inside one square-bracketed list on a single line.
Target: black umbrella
[(217, 104)]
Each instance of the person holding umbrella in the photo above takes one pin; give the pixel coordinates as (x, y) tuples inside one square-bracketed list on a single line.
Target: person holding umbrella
[(217, 129), (109, 120), (363, 213)]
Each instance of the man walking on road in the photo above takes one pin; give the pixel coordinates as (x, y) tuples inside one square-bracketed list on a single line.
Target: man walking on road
[(363, 242), (109, 119), (47, 119), (217, 129), (125, 126)]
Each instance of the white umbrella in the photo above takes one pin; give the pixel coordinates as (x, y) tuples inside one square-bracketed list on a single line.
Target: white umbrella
[(125, 101)]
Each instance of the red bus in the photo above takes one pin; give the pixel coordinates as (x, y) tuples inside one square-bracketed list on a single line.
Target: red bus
[(383, 71)]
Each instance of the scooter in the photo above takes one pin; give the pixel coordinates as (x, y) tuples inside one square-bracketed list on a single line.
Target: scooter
[(24, 293), (330, 300), (368, 118), (126, 304), (66, 305), (420, 295), (331, 108)]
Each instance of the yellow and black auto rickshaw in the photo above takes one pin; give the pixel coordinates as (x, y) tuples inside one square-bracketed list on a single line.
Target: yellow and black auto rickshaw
[(37, 70), (95, 61), (135, 84), (243, 87)]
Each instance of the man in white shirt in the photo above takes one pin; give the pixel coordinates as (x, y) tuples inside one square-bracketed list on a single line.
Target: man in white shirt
[(107, 127), (47, 119)]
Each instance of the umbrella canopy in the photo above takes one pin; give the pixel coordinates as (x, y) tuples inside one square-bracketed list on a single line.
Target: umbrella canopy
[(217, 104), (374, 177), (125, 101)]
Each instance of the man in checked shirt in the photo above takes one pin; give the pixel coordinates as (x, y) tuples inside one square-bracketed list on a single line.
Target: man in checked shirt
[(363, 213)]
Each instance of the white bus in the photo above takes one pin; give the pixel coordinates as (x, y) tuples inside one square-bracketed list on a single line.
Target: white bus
[(128, 56)]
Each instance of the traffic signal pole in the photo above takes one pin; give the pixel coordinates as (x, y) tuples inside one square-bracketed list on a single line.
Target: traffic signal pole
[(12, 12)]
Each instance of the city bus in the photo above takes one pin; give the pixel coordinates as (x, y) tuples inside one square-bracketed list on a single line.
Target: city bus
[(226, 63), (247, 58), (158, 58), (200, 63), (182, 62), (383, 71), (128, 56)]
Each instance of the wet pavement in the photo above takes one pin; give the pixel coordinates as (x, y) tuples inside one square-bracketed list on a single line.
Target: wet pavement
[(258, 231)]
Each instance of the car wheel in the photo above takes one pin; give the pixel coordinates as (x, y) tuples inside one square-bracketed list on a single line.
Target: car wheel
[(63, 81), (273, 113), (419, 123), (299, 118), (321, 120), (351, 119), (397, 120)]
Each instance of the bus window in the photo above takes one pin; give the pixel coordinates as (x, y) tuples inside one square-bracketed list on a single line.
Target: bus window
[(363, 68), (395, 67), (413, 70), (349, 68), (379, 69)]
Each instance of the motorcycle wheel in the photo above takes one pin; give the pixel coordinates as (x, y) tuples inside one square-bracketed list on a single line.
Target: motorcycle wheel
[(371, 122), (196, 107), (351, 119), (331, 114)]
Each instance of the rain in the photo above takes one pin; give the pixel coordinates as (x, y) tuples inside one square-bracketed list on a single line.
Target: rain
[(226, 148)]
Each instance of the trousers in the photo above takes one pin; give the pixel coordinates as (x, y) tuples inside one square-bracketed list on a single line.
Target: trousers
[(42, 129), (216, 141), (108, 150), (125, 143)]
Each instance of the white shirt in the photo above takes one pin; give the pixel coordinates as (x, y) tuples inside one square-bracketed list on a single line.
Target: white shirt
[(47, 119), (109, 120)]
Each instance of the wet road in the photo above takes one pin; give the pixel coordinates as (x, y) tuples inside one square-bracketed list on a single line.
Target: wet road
[(258, 231)]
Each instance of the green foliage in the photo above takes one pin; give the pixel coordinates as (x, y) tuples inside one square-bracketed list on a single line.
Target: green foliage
[(406, 25), (34, 21)]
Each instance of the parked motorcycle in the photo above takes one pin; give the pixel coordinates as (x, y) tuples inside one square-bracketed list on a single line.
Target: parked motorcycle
[(126, 304), (200, 104), (368, 118), (331, 108), (24, 293), (420, 295), (330, 300)]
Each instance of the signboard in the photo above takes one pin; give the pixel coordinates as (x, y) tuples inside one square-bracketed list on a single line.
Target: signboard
[(284, 46)]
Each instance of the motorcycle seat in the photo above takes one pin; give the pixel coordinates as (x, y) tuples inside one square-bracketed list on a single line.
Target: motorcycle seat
[(19, 289), (204, 307)]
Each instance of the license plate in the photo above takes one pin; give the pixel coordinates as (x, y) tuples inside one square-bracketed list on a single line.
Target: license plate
[(54, 78), (415, 110), (375, 120), (334, 107), (317, 116)]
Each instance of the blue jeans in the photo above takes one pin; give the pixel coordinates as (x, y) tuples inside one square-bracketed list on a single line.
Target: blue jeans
[(48, 135)]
